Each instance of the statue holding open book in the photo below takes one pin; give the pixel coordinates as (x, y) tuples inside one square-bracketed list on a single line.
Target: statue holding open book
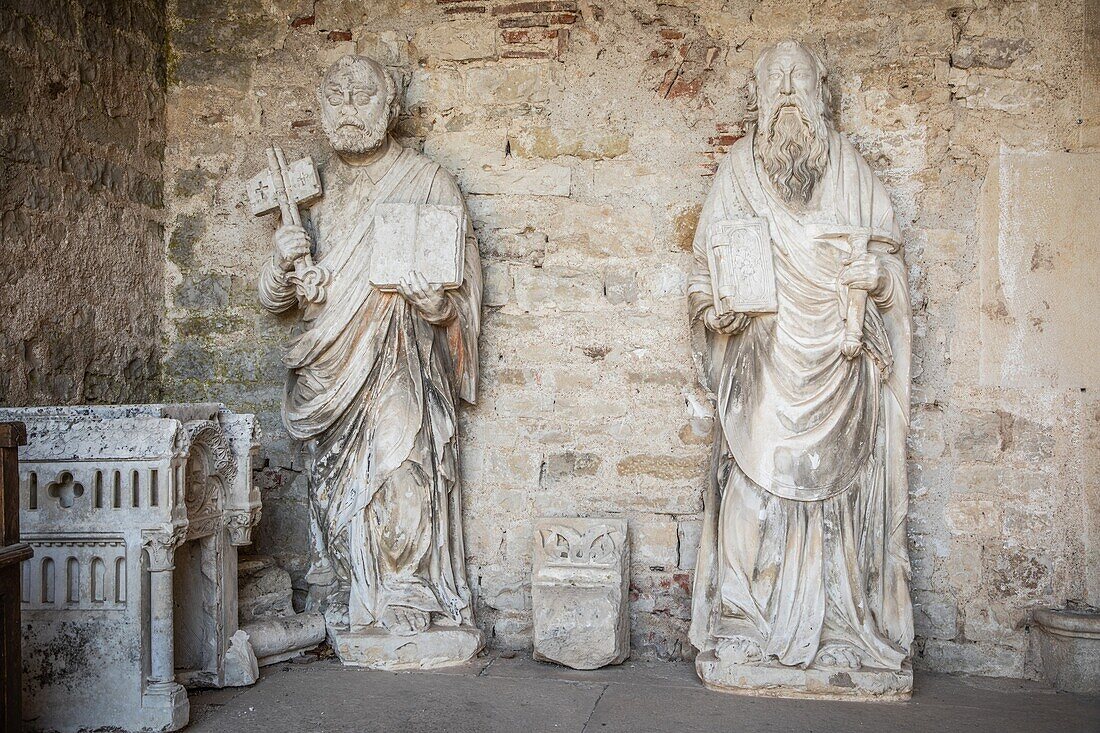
[(802, 582), (385, 271)]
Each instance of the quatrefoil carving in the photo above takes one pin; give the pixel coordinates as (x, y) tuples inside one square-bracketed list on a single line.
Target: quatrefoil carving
[(66, 490)]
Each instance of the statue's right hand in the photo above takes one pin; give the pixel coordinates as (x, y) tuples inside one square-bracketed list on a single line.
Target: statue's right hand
[(291, 244), (727, 323)]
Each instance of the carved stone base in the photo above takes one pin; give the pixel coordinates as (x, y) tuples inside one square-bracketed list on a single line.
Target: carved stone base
[(775, 680), (439, 646), (164, 707)]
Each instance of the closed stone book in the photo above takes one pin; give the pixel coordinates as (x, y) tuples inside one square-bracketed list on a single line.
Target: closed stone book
[(423, 238), (741, 269)]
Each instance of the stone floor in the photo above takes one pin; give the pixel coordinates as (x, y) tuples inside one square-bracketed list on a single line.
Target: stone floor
[(520, 695)]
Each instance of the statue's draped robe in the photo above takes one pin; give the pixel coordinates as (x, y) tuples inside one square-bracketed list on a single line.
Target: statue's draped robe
[(804, 538), (373, 388)]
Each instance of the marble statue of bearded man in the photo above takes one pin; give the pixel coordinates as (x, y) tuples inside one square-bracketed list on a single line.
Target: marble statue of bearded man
[(376, 378), (803, 561)]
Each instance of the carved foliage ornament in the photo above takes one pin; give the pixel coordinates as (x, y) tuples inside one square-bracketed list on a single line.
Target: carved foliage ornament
[(596, 546)]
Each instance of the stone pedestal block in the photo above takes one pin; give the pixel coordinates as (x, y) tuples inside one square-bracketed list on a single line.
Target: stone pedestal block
[(580, 592), (1069, 644), (776, 680), (439, 646)]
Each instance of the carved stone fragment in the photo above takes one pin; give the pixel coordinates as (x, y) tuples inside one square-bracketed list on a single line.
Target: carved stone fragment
[(580, 592), (135, 514)]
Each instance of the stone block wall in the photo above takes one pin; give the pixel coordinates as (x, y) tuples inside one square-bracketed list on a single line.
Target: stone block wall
[(81, 147), (585, 136)]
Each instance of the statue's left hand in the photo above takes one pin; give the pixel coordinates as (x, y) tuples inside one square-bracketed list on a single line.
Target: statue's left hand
[(429, 300), (864, 272)]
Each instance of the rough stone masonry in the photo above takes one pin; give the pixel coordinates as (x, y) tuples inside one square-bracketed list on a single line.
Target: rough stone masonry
[(584, 135)]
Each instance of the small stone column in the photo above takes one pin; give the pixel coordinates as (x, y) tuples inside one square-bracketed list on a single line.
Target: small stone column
[(163, 690)]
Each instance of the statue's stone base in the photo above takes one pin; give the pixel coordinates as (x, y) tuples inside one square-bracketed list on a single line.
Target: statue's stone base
[(439, 646), (775, 680)]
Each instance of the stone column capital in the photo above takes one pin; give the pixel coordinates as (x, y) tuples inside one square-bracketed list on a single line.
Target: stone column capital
[(161, 545)]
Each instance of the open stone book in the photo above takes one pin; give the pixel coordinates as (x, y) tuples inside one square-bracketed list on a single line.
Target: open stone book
[(423, 238)]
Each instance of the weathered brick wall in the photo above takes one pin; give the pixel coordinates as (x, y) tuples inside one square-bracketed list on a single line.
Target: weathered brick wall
[(585, 136), (81, 149)]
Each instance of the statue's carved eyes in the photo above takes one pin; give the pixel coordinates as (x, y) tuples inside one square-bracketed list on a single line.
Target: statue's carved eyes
[(360, 97), (335, 100)]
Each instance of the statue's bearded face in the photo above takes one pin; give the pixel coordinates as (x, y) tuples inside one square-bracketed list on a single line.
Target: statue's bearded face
[(357, 105), (792, 132)]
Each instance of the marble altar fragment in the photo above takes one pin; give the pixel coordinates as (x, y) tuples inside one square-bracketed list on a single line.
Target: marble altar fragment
[(375, 381), (580, 592), (135, 514), (802, 576)]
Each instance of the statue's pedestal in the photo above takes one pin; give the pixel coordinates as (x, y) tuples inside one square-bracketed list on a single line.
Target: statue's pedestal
[(775, 680), (439, 646)]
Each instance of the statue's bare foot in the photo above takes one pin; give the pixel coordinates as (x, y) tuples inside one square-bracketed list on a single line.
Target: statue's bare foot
[(739, 650), (406, 621), (336, 614), (841, 656)]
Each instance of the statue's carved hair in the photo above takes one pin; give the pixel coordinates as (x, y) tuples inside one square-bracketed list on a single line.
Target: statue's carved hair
[(753, 107), (355, 65)]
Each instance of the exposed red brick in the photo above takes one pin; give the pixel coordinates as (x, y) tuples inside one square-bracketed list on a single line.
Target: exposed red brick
[(563, 42), (564, 18), (529, 35), (512, 53), (304, 20), (724, 140), (671, 35), (538, 6), (525, 21), (303, 123), (681, 88), (339, 35)]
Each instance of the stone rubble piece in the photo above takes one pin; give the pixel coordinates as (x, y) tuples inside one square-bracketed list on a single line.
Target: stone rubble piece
[(580, 591), (135, 514), (279, 639), (241, 668)]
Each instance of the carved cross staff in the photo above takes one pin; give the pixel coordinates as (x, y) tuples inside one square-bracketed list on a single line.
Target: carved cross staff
[(857, 240), (284, 187)]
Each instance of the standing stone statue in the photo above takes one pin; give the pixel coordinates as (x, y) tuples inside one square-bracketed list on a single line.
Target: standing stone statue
[(802, 583), (376, 375)]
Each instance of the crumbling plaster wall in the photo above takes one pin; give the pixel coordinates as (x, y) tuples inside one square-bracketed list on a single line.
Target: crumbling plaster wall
[(585, 135), (81, 148)]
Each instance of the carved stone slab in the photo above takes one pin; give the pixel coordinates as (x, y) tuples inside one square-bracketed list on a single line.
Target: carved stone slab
[(580, 591)]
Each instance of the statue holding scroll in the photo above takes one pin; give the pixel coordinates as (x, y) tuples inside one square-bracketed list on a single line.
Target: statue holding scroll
[(386, 352), (802, 583)]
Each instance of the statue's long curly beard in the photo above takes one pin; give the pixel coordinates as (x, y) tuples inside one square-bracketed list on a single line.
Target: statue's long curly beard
[(794, 148), (358, 139)]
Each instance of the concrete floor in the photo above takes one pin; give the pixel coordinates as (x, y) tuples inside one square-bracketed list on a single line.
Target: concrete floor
[(520, 695)]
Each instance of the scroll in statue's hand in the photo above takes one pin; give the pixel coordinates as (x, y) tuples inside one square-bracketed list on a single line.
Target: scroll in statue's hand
[(864, 272), (727, 323), (291, 244), (429, 300)]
